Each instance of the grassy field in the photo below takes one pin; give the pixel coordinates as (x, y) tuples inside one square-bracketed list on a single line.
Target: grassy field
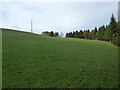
[(36, 61)]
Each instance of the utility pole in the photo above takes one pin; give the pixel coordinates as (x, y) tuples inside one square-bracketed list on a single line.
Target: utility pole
[(31, 27), (119, 11)]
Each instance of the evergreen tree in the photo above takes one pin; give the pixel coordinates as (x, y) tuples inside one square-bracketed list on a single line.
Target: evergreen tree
[(67, 34), (101, 32), (113, 25), (108, 33), (80, 35), (116, 36), (74, 35), (56, 34), (95, 33), (114, 30), (88, 34), (52, 34), (71, 34)]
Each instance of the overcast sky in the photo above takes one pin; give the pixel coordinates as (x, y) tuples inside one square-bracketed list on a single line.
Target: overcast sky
[(61, 16)]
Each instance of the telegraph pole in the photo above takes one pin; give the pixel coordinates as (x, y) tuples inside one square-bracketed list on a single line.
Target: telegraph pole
[(119, 11), (31, 27)]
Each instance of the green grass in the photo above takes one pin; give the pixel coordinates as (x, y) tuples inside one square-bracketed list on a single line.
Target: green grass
[(36, 61)]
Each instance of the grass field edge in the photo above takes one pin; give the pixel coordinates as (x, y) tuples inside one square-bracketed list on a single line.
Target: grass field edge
[(108, 43)]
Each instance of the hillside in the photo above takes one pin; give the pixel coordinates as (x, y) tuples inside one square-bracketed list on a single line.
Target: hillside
[(31, 60)]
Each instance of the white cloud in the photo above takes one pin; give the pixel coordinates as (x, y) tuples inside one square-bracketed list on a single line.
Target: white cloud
[(61, 17), (60, 0)]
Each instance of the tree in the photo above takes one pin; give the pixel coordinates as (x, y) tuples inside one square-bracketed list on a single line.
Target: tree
[(108, 33), (95, 33), (85, 33), (113, 25), (88, 34), (76, 34), (80, 34), (52, 34), (116, 36), (67, 34), (115, 40), (71, 34), (56, 34), (101, 32), (92, 34)]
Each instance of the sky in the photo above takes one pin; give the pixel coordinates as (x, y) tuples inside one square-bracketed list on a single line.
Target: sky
[(56, 16)]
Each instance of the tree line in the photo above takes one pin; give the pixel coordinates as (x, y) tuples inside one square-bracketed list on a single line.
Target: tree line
[(52, 34), (109, 33)]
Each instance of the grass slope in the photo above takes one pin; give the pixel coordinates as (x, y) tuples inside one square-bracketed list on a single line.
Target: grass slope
[(35, 61)]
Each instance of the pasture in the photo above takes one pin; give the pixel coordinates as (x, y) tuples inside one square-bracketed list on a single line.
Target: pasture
[(30, 60)]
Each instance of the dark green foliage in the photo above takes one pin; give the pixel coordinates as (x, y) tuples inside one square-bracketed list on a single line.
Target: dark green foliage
[(101, 32), (67, 34), (95, 33), (71, 34), (108, 33), (118, 27), (80, 34), (115, 39), (116, 36), (52, 34), (113, 25), (76, 34), (88, 34), (56, 34)]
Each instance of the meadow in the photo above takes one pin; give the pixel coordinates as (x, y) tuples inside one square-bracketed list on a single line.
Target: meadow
[(31, 60)]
